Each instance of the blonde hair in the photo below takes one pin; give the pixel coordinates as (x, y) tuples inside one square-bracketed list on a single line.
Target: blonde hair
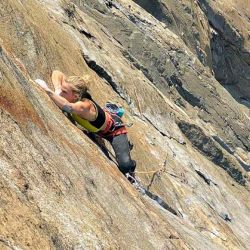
[(80, 86)]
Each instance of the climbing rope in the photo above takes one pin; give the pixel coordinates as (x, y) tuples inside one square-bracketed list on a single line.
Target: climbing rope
[(160, 170), (151, 171)]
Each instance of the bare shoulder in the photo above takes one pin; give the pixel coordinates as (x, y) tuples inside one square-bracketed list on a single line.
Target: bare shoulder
[(82, 106)]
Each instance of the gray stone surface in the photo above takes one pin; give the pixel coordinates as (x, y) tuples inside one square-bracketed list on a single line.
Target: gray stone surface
[(191, 137)]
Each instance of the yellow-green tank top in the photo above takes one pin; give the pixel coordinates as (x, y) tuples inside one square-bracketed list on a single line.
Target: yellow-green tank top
[(85, 123)]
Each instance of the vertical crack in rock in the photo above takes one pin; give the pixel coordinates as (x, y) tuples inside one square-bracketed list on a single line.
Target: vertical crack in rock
[(203, 176), (155, 175), (207, 146), (86, 33), (105, 75), (165, 133)]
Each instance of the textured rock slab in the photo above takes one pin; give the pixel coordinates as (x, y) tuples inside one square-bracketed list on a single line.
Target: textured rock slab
[(59, 191)]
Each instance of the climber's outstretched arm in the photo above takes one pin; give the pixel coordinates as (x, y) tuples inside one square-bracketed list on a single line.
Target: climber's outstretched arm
[(80, 108), (57, 78)]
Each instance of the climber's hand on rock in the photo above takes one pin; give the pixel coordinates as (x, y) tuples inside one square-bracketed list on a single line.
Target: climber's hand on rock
[(42, 84), (58, 91)]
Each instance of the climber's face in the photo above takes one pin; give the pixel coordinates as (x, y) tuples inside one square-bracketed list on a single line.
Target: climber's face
[(68, 93)]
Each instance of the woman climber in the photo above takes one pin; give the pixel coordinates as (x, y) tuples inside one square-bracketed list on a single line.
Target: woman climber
[(72, 96)]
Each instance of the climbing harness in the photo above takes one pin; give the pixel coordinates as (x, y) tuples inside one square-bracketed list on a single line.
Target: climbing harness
[(119, 111), (115, 126)]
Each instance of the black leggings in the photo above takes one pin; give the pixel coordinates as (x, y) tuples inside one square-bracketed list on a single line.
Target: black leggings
[(121, 148)]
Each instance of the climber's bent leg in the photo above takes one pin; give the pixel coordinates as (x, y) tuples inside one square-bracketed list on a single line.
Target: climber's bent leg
[(121, 148)]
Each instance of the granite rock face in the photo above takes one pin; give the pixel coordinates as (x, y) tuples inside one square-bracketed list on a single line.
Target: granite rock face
[(217, 32), (167, 63), (230, 44)]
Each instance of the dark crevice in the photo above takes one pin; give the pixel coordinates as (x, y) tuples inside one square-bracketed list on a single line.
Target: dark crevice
[(70, 10), (137, 64), (173, 80), (162, 133), (243, 164), (156, 9), (185, 94), (218, 22), (109, 3), (223, 144), (208, 147), (57, 242), (205, 178), (219, 48), (86, 33), (81, 30), (225, 217), (102, 73), (156, 198), (160, 10), (162, 203), (244, 141)]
